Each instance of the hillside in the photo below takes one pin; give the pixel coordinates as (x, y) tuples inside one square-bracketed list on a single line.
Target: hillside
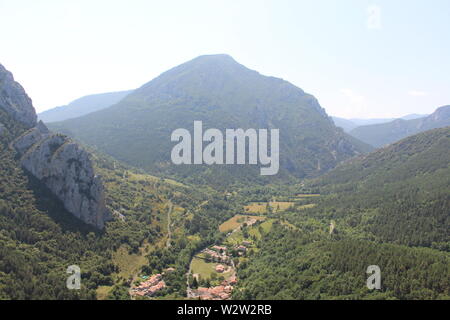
[(345, 124), (308, 240), (60, 164), (223, 94), (40, 237), (403, 188), (83, 106), (382, 134), (389, 208), (350, 124)]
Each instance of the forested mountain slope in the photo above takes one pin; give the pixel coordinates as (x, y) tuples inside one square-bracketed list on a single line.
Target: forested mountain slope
[(83, 106), (382, 134), (224, 95), (389, 208), (406, 186)]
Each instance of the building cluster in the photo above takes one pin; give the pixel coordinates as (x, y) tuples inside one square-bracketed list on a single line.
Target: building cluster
[(149, 287), (222, 292), (218, 254)]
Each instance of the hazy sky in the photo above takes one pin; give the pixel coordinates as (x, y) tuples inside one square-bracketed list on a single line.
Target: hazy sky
[(379, 58)]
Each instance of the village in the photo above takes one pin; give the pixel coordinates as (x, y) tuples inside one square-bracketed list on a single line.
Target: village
[(218, 264), (222, 259), (212, 273), (149, 287)]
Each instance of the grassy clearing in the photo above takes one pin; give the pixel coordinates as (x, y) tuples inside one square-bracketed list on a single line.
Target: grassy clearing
[(194, 238), (149, 178), (237, 221), (261, 207), (306, 195), (235, 238), (289, 225), (307, 206), (281, 205), (206, 269), (265, 226), (129, 264), (103, 292), (256, 207)]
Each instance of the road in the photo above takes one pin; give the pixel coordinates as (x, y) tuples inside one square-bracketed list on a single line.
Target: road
[(189, 289), (169, 232)]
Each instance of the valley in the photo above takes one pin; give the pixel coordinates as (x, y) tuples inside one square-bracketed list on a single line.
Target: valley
[(109, 200)]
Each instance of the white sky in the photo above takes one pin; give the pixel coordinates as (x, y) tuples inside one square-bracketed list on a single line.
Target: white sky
[(360, 58)]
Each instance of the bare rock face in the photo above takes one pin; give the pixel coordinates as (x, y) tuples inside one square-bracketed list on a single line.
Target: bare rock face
[(15, 101), (59, 163), (66, 170)]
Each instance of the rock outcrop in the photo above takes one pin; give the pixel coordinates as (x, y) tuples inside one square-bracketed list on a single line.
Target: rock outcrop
[(58, 162), (15, 101), (66, 170)]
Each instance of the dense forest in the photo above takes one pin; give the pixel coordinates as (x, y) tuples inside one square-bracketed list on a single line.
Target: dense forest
[(39, 239), (293, 264), (389, 208)]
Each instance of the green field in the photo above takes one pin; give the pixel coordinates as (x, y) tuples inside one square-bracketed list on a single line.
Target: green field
[(205, 269), (236, 221), (265, 226), (261, 207)]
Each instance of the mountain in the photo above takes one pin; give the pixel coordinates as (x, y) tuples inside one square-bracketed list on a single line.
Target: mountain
[(414, 116), (350, 124), (315, 239), (363, 122), (382, 134), (83, 106), (345, 124), (223, 94), (59, 163)]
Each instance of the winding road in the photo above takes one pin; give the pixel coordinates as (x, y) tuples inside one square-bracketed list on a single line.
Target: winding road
[(169, 232)]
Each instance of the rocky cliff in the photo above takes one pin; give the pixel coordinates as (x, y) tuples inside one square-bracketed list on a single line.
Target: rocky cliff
[(14, 100), (59, 163)]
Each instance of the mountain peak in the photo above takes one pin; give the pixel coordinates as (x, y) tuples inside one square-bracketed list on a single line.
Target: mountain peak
[(221, 57), (212, 62), (223, 94)]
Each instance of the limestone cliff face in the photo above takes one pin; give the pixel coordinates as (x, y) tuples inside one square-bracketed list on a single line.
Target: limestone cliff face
[(14, 100), (59, 163)]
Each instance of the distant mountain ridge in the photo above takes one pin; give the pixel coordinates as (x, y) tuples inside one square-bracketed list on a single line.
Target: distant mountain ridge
[(223, 94), (382, 134), (350, 124), (83, 106)]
